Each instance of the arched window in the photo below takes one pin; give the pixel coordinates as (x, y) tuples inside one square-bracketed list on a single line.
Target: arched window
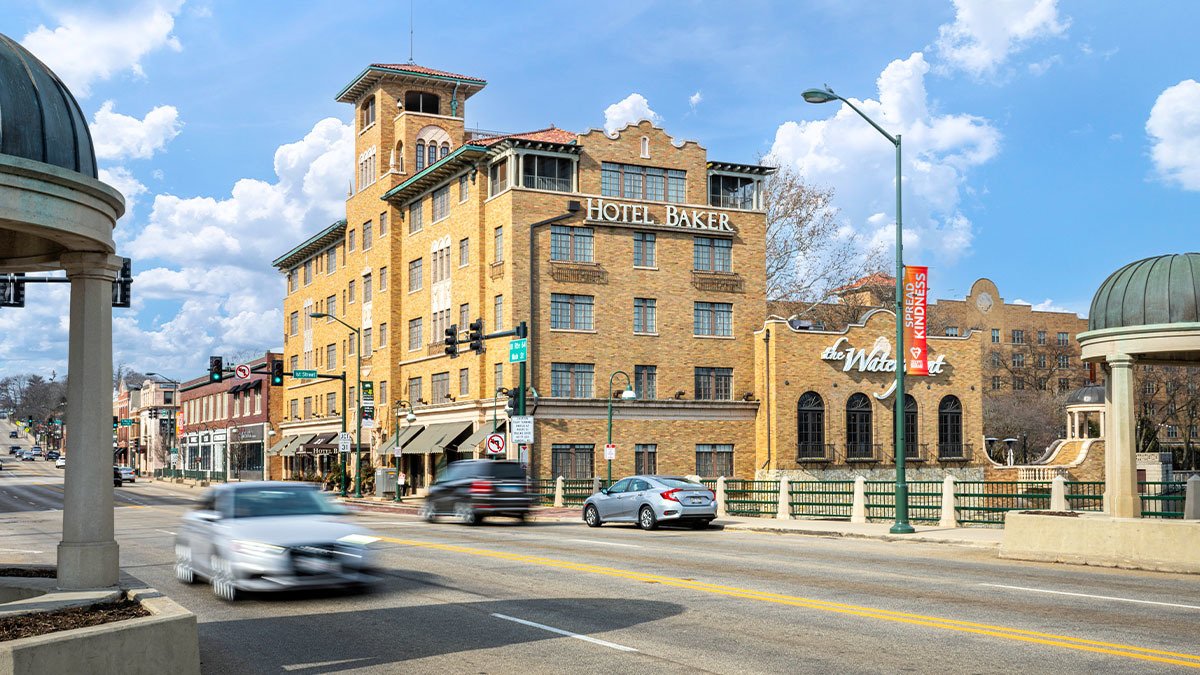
[(645, 147), (810, 426), (445, 149), (911, 450), (432, 153), (950, 431), (420, 156), (858, 428), (399, 157)]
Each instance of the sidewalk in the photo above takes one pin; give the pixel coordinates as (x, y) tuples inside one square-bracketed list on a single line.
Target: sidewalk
[(958, 536)]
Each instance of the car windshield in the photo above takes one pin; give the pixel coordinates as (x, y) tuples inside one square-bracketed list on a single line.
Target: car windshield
[(506, 470), (281, 501), (681, 483)]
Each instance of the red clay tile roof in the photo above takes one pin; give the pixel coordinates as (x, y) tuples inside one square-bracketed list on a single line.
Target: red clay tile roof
[(422, 70), (876, 279), (551, 135)]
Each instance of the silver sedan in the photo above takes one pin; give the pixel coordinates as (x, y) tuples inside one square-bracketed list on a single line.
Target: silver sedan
[(271, 536), (650, 500)]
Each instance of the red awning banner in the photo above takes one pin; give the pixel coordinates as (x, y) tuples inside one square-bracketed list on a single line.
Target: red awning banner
[(916, 352)]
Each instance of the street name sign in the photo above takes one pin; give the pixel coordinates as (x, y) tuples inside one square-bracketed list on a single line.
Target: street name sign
[(494, 444), (522, 428), (518, 350), (344, 440), (126, 422), (304, 374)]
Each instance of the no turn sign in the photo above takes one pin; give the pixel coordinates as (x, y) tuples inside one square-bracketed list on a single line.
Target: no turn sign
[(494, 444), (242, 372)]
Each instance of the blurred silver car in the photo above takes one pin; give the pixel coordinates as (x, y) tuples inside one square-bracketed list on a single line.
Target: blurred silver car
[(270, 536), (650, 500)]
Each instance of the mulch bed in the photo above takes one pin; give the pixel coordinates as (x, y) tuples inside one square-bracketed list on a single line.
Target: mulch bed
[(29, 625), (29, 573), (1063, 514)]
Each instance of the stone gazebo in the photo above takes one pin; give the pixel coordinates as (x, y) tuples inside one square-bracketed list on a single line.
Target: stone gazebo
[(1146, 313), (1085, 405), (56, 215)]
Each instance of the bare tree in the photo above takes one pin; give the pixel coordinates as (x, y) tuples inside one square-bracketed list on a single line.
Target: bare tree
[(1169, 412), (1034, 417), (808, 253), (123, 372)]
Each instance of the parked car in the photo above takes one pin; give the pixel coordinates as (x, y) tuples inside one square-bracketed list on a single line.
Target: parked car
[(14, 434), (60, 463), (127, 474), (473, 489), (117, 481), (650, 500), (52, 454), (269, 536), (37, 452), (14, 449)]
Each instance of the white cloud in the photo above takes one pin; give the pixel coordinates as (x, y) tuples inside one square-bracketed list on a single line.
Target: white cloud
[(120, 178), (1040, 68), (258, 220), (118, 136), (694, 100), (1174, 126), (631, 110), (91, 45), (986, 32), (1046, 305), (845, 153)]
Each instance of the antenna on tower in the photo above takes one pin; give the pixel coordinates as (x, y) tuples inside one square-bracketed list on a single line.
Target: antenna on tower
[(410, 32)]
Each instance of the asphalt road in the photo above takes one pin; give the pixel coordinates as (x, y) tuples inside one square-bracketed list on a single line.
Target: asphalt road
[(560, 597)]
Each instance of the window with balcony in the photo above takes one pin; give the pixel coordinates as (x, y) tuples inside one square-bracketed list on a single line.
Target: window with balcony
[(732, 192), (858, 428), (810, 426), (712, 255), (950, 428), (547, 173)]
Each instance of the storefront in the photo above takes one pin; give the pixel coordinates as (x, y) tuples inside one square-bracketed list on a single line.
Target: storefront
[(246, 452)]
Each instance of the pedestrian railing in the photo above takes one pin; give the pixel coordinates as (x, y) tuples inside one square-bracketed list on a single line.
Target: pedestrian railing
[(576, 491), (1162, 499), (986, 501), (1085, 495), (821, 498), (544, 489), (751, 497), (924, 500)]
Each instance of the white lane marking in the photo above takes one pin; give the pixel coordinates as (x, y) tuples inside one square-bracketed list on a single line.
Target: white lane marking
[(565, 632), (1087, 595), (18, 550), (165, 531), (322, 664), (390, 522), (606, 543)]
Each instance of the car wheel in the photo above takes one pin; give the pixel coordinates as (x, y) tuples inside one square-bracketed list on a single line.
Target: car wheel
[(591, 517), (426, 512), (466, 514), (183, 565), (646, 519), (222, 579)]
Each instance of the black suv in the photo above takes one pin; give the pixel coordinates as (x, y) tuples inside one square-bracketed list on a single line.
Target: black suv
[(473, 489)]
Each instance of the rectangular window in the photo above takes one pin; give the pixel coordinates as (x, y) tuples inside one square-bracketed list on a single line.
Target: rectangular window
[(571, 312), (714, 384), (714, 460), (414, 334), (498, 375), (638, 182), (498, 312), (291, 277), (952, 331), (1018, 383), (294, 408), (1041, 360), (439, 387), (308, 272), (464, 381), (571, 379), (331, 356), (414, 390), (539, 172), (712, 255), (996, 335), (414, 275), (330, 308), (498, 177), (369, 113), (644, 253), (1041, 338), (367, 287), (415, 221), (307, 407), (330, 261), (1063, 340), (997, 361), (353, 342), (1041, 383), (439, 265), (712, 318), (331, 402), (645, 459), (367, 241), (1064, 361), (294, 323), (382, 394), (383, 222), (382, 335), (1064, 385), (462, 189), (1018, 337), (464, 252), (350, 291), (382, 279), (571, 460), (645, 382), (498, 247), (366, 335), (350, 242), (294, 362), (731, 192), (464, 316), (441, 203), (645, 317), (571, 243), (1018, 360)]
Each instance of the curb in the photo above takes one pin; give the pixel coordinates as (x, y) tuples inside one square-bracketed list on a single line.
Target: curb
[(751, 527)]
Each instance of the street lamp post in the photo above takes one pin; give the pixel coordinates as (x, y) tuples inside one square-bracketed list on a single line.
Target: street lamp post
[(410, 418), (174, 421), (628, 394), (357, 413), (902, 525)]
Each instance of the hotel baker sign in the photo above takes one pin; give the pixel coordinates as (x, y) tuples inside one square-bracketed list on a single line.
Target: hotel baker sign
[(604, 211)]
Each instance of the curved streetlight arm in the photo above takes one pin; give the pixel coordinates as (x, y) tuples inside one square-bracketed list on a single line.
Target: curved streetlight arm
[(894, 139), (628, 385)]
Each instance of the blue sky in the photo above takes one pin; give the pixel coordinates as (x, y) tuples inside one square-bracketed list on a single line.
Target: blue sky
[(1046, 142)]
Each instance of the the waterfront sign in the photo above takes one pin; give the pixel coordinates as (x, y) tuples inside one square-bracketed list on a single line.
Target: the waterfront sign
[(639, 214), (876, 361)]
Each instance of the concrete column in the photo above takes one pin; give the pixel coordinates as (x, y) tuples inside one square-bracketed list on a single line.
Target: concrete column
[(1191, 500), (558, 491), (1070, 426), (1120, 478), (858, 509), (1058, 494), (88, 553), (721, 497), (949, 516), (595, 484), (784, 510), (1102, 433)]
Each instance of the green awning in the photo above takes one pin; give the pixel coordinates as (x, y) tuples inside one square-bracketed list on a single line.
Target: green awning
[(476, 438), (405, 437), (290, 451), (285, 447), (437, 437)]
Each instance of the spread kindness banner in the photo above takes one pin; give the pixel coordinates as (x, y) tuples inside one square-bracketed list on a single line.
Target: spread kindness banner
[(916, 287)]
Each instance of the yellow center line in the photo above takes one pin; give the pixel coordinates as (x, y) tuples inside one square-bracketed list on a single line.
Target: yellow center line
[(1130, 651)]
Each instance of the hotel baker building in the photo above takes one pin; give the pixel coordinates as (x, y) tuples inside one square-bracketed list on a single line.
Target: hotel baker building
[(631, 254)]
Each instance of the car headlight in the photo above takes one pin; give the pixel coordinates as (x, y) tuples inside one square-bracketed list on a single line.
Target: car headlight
[(358, 539), (255, 547)]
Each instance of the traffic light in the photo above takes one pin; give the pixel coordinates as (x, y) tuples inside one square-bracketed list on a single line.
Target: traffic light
[(510, 408), (475, 336), (215, 366), (116, 422), (452, 341), (276, 373), (121, 286), (12, 290)]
